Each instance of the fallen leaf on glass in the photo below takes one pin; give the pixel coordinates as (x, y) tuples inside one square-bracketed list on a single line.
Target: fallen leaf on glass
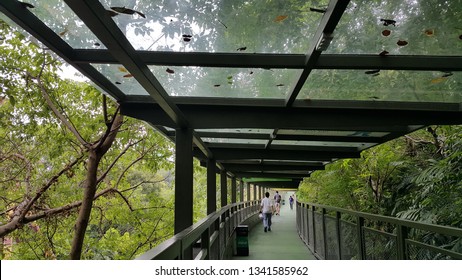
[(27, 5), (322, 11), (187, 37), (112, 13), (128, 75), (216, 85), (280, 85), (386, 32), (127, 11), (170, 71), (122, 69), (372, 72), (383, 53), (402, 43), (280, 18), (429, 32), (242, 49), (438, 80), (387, 22), (118, 83)]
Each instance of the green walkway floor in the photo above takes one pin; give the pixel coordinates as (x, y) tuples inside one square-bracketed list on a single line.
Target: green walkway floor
[(282, 243)]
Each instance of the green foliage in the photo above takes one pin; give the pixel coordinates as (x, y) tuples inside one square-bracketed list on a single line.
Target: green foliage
[(135, 211), (416, 177)]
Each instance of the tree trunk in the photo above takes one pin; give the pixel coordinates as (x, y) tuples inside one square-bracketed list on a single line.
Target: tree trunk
[(95, 154), (87, 204)]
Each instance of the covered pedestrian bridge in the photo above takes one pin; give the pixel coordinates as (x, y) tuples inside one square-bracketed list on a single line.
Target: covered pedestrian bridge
[(262, 93)]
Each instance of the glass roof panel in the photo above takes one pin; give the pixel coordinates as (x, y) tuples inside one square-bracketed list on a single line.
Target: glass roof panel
[(234, 141), (332, 133), (62, 20), (385, 85), (409, 27), (120, 76), (322, 143), (226, 82), (277, 26)]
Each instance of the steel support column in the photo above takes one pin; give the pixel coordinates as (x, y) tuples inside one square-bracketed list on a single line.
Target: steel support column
[(224, 188), (183, 180), (241, 191), (233, 190), (211, 186), (247, 185)]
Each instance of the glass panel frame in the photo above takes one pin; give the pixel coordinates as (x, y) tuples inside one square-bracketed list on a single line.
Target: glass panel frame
[(278, 26), (383, 85), (401, 28)]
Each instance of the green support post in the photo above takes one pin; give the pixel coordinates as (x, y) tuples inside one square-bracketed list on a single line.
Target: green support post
[(211, 186)]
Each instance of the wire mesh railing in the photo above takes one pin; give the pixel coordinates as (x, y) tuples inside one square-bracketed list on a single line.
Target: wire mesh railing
[(208, 239), (334, 233)]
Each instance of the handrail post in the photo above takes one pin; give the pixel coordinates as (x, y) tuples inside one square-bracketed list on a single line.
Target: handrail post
[(338, 217), (313, 219), (324, 232), (361, 240), (401, 242), (306, 233), (205, 243)]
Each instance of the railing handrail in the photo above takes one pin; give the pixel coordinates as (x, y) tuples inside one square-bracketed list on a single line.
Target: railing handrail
[(172, 247), (356, 238), (398, 221)]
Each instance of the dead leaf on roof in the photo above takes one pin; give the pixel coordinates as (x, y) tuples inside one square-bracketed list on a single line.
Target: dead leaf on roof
[(280, 18)]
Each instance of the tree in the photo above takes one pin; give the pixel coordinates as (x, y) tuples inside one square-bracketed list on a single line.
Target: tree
[(63, 143)]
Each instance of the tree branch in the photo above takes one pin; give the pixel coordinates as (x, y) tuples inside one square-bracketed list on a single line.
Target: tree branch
[(101, 178), (58, 114), (47, 185)]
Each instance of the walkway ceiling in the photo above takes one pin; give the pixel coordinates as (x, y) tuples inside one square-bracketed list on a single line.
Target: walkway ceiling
[(273, 90)]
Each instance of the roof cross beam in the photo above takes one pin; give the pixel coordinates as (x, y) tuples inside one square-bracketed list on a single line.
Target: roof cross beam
[(327, 26)]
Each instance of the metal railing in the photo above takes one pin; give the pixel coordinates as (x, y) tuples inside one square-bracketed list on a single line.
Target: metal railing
[(209, 239), (339, 234)]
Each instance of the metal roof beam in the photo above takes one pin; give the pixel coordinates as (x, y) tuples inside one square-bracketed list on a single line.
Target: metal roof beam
[(30, 23), (271, 175), (101, 24), (327, 26), (377, 119), (229, 154), (263, 167), (281, 61)]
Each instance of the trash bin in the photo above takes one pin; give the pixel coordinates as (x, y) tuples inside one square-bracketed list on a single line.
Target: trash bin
[(242, 240)]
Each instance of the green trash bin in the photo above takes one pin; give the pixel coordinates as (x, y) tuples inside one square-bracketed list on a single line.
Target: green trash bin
[(242, 240)]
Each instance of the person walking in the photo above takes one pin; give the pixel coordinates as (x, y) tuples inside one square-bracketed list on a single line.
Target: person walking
[(267, 209), (291, 202), (277, 199)]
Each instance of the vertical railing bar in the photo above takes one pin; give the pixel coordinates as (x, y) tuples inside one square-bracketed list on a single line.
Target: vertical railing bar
[(313, 209), (361, 238), (402, 232), (324, 232), (338, 218)]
